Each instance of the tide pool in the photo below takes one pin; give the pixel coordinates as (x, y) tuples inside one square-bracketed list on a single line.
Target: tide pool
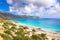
[(47, 24)]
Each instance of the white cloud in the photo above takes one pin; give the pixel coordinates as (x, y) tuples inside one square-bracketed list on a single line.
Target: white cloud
[(30, 8), (36, 7), (9, 1), (46, 3)]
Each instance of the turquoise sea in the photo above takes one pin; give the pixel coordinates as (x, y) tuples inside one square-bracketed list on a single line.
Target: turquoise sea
[(47, 24)]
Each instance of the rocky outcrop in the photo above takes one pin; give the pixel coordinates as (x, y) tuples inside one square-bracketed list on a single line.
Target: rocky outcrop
[(5, 15)]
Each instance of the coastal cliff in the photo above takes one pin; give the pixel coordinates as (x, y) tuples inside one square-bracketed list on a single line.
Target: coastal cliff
[(5, 15)]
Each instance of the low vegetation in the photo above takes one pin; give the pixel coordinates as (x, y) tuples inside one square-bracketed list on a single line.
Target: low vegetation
[(11, 32)]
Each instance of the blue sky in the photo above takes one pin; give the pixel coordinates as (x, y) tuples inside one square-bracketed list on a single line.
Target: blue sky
[(4, 6), (41, 8), (58, 1)]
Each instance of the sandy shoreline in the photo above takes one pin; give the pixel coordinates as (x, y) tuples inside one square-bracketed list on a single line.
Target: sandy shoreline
[(50, 35), (29, 26), (39, 31)]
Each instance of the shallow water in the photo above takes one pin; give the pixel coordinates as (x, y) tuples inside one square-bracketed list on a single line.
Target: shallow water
[(47, 24)]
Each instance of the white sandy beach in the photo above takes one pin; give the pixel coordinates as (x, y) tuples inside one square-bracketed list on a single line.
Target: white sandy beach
[(50, 35)]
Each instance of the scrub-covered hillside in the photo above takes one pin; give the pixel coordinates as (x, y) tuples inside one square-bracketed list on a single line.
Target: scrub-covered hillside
[(12, 31)]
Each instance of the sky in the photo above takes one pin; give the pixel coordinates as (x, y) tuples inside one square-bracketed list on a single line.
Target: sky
[(41, 8), (4, 6)]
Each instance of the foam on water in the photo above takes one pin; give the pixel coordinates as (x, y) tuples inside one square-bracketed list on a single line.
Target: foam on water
[(51, 25)]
